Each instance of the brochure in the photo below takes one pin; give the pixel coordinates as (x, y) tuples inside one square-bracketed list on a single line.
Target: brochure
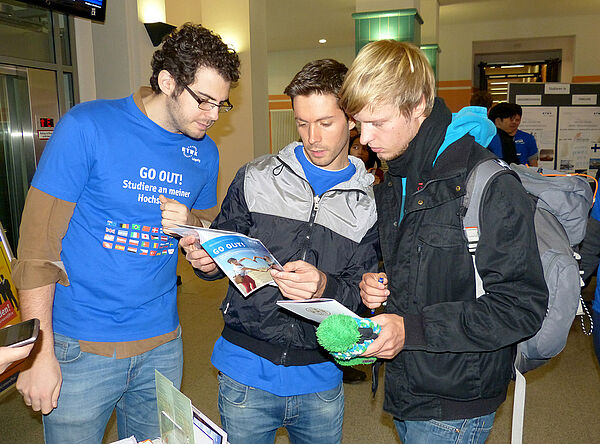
[(316, 309), (180, 422), (174, 412), (245, 260)]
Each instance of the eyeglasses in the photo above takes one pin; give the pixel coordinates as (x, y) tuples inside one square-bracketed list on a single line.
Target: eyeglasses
[(206, 105)]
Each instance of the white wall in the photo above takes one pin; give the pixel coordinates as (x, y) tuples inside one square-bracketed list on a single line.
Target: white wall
[(86, 70), (122, 51), (243, 133), (260, 77), (456, 41), (283, 65)]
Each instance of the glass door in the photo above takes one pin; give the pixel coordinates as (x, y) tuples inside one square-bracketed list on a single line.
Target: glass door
[(17, 149)]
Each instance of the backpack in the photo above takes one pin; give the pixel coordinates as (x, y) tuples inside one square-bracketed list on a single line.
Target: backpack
[(562, 205)]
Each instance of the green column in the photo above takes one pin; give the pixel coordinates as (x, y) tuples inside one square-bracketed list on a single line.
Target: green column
[(403, 25)]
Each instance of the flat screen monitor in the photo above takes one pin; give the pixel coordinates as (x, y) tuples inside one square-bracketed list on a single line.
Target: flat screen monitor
[(92, 9)]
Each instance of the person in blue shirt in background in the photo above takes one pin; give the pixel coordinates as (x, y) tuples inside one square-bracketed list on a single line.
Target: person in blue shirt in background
[(313, 207), (510, 143), (590, 257)]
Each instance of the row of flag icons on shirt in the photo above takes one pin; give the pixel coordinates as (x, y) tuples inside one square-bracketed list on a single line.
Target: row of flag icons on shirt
[(136, 238)]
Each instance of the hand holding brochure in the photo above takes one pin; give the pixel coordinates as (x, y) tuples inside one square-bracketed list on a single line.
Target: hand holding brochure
[(245, 260)]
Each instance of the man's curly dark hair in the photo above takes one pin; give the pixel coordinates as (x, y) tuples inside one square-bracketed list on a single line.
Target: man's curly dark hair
[(191, 47)]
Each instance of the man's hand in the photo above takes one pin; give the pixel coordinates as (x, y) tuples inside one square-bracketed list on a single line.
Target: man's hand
[(40, 383), (300, 280), (391, 338), (173, 212), (372, 292), (197, 256)]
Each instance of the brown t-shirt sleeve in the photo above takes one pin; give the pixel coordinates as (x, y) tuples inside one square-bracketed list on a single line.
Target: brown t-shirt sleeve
[(44, 224)]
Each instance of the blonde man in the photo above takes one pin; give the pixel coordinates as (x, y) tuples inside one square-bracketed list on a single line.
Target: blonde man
[(450, 354)]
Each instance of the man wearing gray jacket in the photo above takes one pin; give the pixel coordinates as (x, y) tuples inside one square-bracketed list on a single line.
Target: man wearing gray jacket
[(314, 209)]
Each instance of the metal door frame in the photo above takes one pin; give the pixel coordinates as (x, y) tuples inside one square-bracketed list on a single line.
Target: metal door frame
[(58, 66), (19, 152)]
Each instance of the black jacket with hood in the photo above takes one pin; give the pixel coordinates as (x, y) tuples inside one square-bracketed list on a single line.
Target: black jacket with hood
[(458, 355)]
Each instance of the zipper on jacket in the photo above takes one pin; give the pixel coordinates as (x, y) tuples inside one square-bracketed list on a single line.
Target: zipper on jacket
[(311, 221), (316, 200), (418, 272), (289, 343)]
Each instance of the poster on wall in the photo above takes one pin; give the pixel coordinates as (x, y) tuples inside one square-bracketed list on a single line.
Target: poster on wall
[(540, 121), (9, 304), (579, 139)]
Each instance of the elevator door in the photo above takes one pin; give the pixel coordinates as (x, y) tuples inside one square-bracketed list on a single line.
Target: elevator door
[(28, 113)]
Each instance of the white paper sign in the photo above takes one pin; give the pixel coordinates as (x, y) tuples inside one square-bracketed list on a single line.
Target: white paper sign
[(540, 121), (585, 99), (557, 88), (528, 99), (579, 139)]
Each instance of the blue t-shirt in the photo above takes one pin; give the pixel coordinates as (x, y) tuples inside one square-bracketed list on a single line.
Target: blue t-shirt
[(113, 161), (250, 369), (319, 178), (524, 144)]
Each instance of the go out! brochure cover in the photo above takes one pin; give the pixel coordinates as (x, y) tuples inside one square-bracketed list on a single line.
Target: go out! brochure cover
[(245, 260)]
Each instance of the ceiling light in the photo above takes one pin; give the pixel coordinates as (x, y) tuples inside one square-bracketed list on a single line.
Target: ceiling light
[(512, 66), (322, 40)]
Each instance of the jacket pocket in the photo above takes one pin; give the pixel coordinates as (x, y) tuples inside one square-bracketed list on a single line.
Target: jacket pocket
[(444, 272), (458, 376), (447, 375)]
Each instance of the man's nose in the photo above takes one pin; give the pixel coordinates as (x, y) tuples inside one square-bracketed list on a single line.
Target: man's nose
[(365, 136), (214, 113), (314, 135)]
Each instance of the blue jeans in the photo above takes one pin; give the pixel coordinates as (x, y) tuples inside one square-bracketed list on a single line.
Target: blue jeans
[(461, 431), (251, 415), (94, 385)]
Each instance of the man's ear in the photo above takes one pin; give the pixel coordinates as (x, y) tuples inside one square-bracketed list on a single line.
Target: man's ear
[(419, 110), (351, 124), (166, 82)]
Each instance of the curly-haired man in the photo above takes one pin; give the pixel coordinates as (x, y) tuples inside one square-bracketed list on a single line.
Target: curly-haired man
[(92, 224)]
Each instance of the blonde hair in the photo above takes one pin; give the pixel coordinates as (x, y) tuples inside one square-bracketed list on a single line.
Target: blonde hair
[(388, 72)]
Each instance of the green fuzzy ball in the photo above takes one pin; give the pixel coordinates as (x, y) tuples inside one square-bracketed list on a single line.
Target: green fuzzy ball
[(337, 333)]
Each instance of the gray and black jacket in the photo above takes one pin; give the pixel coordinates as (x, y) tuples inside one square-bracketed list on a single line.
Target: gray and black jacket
[(271, 200)]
